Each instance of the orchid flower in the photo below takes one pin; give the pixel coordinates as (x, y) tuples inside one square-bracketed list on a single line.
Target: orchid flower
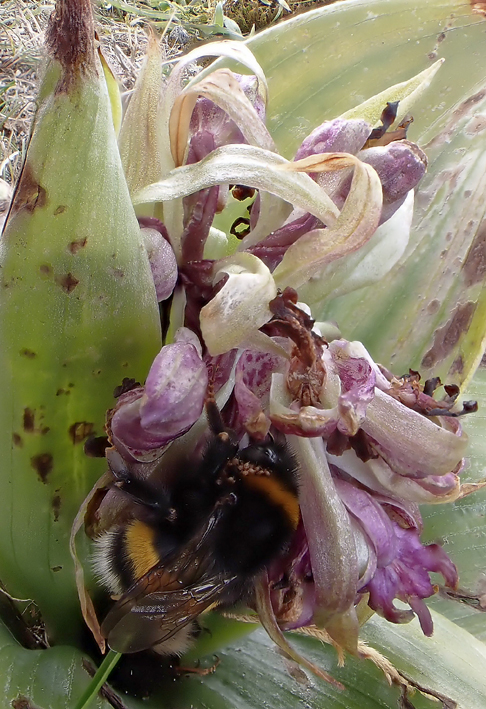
[(316, 263), (370, 445)]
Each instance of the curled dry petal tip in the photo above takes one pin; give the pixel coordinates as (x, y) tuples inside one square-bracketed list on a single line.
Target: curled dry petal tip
[(241, 306), (225, 111), (355, 225)]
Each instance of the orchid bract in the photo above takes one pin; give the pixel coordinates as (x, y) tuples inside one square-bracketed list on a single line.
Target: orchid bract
[(299, 263)]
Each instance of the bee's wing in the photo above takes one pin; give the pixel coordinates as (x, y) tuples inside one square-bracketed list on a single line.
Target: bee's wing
[(167, 598), (133, 625)]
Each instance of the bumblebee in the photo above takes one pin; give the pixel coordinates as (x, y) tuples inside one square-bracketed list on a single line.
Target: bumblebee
[(199, 544)]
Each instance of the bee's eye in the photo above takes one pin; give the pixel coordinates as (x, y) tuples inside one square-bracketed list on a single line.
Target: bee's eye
[(261, 454), (269, 453)]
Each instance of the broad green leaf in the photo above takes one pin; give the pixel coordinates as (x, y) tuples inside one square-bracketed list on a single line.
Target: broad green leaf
[(452, 661), (252, 674), (49, 679), (78, 313)]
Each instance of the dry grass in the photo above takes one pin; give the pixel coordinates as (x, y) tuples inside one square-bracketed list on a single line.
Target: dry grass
[(22, 27), (121, 30)]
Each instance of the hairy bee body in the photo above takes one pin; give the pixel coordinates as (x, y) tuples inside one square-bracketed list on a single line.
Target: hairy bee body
[(197, 545)]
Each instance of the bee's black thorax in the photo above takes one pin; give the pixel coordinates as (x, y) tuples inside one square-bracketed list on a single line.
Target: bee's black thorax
[(218, 524)]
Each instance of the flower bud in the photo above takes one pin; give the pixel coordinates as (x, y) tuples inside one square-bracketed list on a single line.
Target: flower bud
[(337, 136), (162, 262), (147, 418)]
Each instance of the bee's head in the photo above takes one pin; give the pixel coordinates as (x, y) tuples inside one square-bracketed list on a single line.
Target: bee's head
[(272, 457)]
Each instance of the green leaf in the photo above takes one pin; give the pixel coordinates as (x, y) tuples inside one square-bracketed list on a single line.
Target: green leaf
[(78, 313), (252, 674), (49, 679), (451, 662)]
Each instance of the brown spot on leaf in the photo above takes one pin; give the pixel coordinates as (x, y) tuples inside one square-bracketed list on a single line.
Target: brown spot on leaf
[(62, 208), (471, 101), (80, 430), (29, 194), (96, 446), (433, 306), (55, 569), (447, 337), (457, 367), (17, 440), (29, 420), (45, 269), (22, 702), (76, 246), (67, 282), (60, 392), (42, 464), (475, 264), (56, 506), (30, 354)]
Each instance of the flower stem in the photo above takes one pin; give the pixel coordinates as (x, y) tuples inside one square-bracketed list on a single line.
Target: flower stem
[(102, 674)]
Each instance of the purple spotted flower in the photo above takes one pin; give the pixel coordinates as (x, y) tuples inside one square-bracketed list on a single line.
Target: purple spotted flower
[(370, 446)]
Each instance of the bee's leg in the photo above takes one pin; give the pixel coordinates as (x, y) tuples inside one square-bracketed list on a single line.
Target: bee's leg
[(214, 417), (141, 491), (215, 420), (201, 671)]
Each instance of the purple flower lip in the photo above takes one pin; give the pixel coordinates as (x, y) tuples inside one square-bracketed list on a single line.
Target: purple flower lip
[(162, 262)]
